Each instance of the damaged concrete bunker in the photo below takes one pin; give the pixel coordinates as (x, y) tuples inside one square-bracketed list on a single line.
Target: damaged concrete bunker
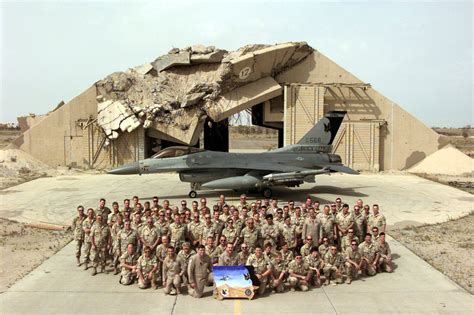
[(190, 93)]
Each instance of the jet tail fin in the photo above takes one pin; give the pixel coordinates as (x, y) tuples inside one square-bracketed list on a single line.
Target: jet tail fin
[(325, 130)]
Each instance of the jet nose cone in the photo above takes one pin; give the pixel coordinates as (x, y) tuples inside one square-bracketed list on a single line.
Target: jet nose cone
[(128, 169)]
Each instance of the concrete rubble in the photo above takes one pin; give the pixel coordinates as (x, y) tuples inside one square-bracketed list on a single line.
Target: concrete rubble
[(176, 92)]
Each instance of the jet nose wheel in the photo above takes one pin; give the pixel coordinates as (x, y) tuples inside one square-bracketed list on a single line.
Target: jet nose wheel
[(192, 194), (267, 193)]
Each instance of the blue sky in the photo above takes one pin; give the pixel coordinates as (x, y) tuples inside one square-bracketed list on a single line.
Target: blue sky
[(418, 54)]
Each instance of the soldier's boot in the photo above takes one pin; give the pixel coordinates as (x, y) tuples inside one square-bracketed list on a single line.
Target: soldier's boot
[(78, 260), (94, 271), (327, 282), (86, 265), (348, 280), (116, 271)]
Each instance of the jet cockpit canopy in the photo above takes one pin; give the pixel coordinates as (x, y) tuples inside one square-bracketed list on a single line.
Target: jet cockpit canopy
[(175, 151)]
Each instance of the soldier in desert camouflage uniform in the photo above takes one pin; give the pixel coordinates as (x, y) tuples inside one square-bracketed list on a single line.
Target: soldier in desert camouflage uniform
[(101, 242), (299, 275), (78, 232), (333, 265), (86, 227), (261, 267), (370, 255), (146, 269), (353, 263), (128, 263)]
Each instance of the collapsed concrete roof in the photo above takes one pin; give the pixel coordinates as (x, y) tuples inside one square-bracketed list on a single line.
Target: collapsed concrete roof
[(172, 95)]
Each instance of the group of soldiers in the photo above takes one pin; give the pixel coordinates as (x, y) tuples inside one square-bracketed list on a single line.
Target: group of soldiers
[(289, 246)]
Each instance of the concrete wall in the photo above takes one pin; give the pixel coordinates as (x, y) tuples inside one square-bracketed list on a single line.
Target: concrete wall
[(404, 140), (55, 139)]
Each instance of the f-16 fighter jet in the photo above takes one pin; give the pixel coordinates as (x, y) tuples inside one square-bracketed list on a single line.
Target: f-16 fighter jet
[(288, 166)]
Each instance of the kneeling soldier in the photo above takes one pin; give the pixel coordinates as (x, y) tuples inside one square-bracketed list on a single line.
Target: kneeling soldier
[(261, 267), (333, 265), (128, 262), (199, 272), (146, 268), (354, 262), (315, 264), (173, 269), (299, 274)]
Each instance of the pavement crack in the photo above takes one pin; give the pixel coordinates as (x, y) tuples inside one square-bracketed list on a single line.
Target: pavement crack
[(174, 304), (325, 293)]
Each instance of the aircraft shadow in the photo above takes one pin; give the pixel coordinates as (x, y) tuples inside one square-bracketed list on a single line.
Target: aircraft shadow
[(282, 193)]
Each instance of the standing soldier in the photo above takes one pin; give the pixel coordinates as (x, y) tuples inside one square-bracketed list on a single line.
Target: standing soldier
[(228, 257), (286, 254), (173, 270), (103, 211), (225, 214), (150, 236), (299, 275), (78, 232), (370, 255), (261, 266), (353, 262), (270, 231), (230, 232), (324, 247), (359, 223), (127, 236), (376, 220), (242, 202), (333, 266), (185, 255), (312, 228), (251, 235), (146, 269), (87, 227), (162, 224), (211, 250), (327, 225), (126, 206), (101, 243), (288, 233), (347, 240), (178, 232), (208, 229), (305, 250), (195, 230), (238, 222), (115, 213), (199, 272), (128, 262), (218, 225), (298, 222), (115, 231), (344, 221)]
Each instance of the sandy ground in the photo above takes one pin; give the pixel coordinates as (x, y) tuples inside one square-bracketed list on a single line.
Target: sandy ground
[(23, 248), (449, 247)]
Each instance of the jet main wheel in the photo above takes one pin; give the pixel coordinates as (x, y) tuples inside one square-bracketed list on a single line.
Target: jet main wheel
[(192, 194), (267, 193)]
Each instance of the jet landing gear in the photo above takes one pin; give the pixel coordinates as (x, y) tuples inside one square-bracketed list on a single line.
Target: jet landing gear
[(194, 187), (267, 193)]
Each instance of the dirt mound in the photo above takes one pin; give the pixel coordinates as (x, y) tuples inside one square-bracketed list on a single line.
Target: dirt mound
[(446, 161), (17, 166)]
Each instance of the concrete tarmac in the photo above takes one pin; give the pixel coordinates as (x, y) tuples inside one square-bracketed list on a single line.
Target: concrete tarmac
[(403, 198), (59, 287)]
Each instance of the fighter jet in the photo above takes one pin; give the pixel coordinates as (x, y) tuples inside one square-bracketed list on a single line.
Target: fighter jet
[(288, 166)]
